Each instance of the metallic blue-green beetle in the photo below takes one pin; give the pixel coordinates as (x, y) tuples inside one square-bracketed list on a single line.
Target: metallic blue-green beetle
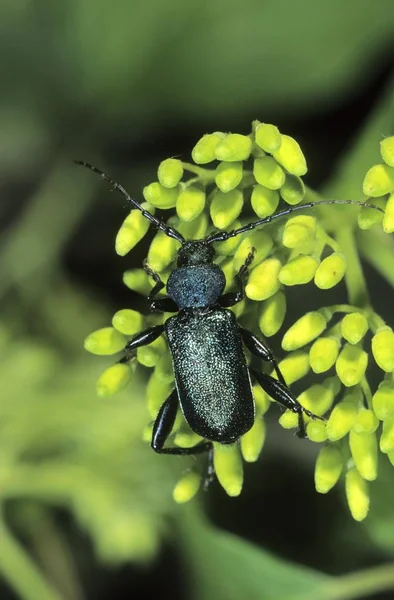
[(212, 378)]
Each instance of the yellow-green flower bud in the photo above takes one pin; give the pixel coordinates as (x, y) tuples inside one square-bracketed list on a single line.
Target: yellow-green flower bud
[(227, 268), (388, 219), (147, 433), (323, 354), (353, 327), (383, 400), (299, 231), (164, 370), (290, 156), (137, 281), (160, 196), (341, 420), (328, 469), (379, 181), (316, 431), (267, 137), (205, 149), (150, 355), (190, 203), (351, 365), (264, 280), (387, 150), (113, 380), (357, 494), (162, 251), (234, 147), (367, 217), (334, 384), (387, 437), (253, 441), (306, 329), (225, 208), (317, 398), (105, 341), (391, 457), (298, 271), (157, 392), (330, 271), (228, 175), (268, 173), (293, 189), (364, 449), (260, 240), (191, 230), (187, 487), (170, 172), (132, 230), (383, 349), (128, 321), (261, 399), (186, 438), (366, 421), (228, 467), (294, 367), (272, 313), (264, 201), (288, 420)]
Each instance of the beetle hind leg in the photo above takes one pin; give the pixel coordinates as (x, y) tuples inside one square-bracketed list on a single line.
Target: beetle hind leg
[(163, 426), (281, 393)]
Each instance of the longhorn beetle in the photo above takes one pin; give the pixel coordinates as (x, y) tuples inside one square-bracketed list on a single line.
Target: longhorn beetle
[(212, 378)]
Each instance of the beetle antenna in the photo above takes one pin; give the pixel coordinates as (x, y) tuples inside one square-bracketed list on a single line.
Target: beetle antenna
[(222, 236), (170, 231)]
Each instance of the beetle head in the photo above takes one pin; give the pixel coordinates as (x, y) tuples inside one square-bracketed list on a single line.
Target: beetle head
[(195, 253)]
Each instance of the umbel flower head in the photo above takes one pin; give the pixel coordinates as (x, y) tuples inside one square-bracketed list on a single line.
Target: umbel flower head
[(233, 175)]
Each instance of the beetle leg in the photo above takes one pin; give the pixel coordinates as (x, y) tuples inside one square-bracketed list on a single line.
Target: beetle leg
[(281, 393), (141, 339), (210, 476), (163, 426), (164, 305), (159, 284), (233, 297), (262, 350)]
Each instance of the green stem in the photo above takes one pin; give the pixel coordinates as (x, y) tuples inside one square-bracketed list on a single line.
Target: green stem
[(205, 175), (355, 281), (378, 249), (360, 584), (20, 572)]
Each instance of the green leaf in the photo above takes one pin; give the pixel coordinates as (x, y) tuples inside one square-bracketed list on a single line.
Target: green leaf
[(224, 567)]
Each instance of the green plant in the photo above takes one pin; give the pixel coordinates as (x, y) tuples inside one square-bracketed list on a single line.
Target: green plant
[(255, 172)]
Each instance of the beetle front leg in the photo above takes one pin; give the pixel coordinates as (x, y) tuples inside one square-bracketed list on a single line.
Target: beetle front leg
[(163, 426), (161, 304), (159, 284), (281, 393), (233, 297), (141, 339)]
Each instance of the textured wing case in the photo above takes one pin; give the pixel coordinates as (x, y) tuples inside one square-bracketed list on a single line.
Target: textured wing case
[(211, 374)]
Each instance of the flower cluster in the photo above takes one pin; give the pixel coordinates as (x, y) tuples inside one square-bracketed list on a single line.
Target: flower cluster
[(254, 173)]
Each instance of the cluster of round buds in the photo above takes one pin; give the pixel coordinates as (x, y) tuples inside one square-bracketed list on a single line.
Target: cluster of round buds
[(352, 432), (379, 187), (233, 175)]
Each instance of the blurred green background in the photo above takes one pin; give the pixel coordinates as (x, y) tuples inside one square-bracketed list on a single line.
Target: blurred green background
[(86, 511)]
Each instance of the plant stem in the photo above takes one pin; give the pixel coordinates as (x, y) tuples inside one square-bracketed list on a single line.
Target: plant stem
[(20, 572), (360, 584), (355, 281)]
